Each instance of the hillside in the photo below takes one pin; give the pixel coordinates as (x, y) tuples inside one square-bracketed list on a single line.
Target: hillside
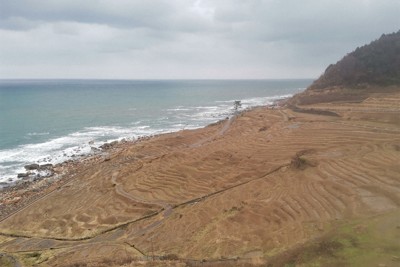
[(313, 183), (377, 63), (369, 69)]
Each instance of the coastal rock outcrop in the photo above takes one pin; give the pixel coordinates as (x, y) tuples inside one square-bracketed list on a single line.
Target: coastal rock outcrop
[(31, 167), (34, 166), (108, 145), (23, 175), (46, 167)]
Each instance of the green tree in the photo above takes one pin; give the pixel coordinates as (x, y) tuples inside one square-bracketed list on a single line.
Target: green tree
[(237, 105)]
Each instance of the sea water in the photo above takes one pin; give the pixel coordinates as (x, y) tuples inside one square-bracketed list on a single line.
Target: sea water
[(50, 121)]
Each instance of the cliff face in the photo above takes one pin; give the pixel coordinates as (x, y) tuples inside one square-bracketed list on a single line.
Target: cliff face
[(377, 63)]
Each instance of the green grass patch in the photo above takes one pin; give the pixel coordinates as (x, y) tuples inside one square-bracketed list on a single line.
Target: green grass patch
[(369, 242), (34, 258)]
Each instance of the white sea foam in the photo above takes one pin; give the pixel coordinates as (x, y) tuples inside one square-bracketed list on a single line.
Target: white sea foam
[(178, 109), (262, 101), (59, 149)]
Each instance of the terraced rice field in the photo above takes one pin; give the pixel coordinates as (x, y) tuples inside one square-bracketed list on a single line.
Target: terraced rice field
[(240, 192)]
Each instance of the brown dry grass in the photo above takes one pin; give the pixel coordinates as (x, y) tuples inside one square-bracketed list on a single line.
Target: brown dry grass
[(239, 192)]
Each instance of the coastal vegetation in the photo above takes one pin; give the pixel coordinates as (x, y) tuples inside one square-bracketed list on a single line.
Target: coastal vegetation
[(377, 63)]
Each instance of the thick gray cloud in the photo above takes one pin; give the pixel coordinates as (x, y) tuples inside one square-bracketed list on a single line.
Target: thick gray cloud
[(184, 38)]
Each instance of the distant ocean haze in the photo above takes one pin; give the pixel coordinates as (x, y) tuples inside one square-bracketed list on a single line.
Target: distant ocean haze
[(50, 121)]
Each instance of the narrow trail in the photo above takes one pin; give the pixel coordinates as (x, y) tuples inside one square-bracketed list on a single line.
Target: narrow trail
[(221, 132), (376, 128), (284, 114), (166, 208)]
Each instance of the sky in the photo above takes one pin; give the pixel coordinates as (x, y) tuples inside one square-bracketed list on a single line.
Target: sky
[(185, 39)]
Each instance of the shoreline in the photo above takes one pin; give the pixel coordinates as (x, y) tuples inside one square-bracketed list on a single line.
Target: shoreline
[(20, 193), (86, 141), (33, 174)]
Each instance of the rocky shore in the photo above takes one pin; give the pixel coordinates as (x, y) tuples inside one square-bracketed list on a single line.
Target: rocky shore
[(41, 179)]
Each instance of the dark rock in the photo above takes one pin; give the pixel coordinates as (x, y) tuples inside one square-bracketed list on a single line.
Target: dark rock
[(46, 167), (32, 167), (94, 149), (23, 175), (4, 185), (108, 145), (105, 146)]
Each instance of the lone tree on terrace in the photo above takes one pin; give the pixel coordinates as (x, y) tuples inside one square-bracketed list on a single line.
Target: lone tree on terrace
[(236, 106)]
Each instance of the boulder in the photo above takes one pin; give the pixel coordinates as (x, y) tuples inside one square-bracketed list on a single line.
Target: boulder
[(94, 149), (46, 167), (4, 185), (23, 175), (108, 145), (30, 167)]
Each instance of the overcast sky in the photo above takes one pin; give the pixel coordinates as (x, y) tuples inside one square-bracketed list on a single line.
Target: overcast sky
[(185, 39)]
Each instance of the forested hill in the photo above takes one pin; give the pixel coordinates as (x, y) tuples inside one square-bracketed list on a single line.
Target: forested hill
[(377, 63)]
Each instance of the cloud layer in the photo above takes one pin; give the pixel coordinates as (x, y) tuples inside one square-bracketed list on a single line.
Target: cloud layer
[(185, 39)]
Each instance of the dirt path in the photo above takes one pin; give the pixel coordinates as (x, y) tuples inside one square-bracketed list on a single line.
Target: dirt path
[(221, 132), (166, 208)]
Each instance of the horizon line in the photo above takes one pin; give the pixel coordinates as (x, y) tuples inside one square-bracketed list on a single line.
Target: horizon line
[(155, 79)]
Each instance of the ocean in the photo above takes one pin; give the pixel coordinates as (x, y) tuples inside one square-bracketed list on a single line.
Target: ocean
[(50, 121)]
